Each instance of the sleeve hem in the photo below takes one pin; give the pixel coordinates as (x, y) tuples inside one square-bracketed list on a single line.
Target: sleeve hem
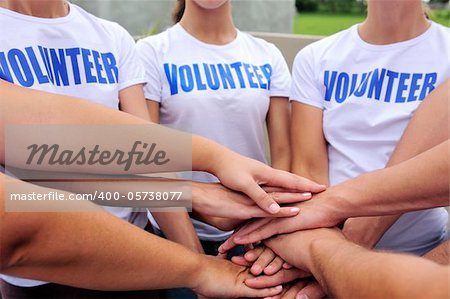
[(279, 93), (152, 97), (308, 102), (129, 83)]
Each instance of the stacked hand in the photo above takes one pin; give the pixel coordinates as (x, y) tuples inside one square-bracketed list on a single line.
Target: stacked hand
[(286, 260), (271, 260), (312, 214), (225, 209), (248, 176)]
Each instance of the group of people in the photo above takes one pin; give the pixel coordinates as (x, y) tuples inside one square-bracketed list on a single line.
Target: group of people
[(358, 139)]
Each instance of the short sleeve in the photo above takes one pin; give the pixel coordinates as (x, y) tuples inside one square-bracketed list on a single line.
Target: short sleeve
[(150, 63), (304, 88), (280, 81), (130, 68)]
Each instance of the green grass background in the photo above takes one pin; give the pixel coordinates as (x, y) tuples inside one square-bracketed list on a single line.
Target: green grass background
[(326, 24)]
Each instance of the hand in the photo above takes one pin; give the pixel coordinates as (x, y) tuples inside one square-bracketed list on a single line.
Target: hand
[(212, 199), (246, 175), (281, 277), (264, 258), (260, 259), (218, 278), (295, 248), (317, 212), (301, 289)]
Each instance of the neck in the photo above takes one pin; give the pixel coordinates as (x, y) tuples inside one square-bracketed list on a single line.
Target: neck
[(212, 26), (37, 8), (393, 21)]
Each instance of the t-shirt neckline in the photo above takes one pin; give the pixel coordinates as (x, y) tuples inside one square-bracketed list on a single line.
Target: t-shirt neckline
[(33, 19), (186, 34), (402, 44)]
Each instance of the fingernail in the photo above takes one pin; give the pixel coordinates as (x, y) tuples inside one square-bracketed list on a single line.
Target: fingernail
[(302, 296), (294, 210), (307, 194), (237, 239), (280, 287), (220, 249), (274, 208)]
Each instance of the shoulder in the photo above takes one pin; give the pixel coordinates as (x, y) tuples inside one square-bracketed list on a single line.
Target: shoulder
[(111, 30), (442, 30), (327, 45), (259, 44), (161, 42)]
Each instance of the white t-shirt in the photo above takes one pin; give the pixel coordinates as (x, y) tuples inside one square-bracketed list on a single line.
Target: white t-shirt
[(78, 55), (368, 94), (221, 92)]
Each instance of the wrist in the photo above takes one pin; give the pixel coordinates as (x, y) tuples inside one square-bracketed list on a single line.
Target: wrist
[(207, 155), (197, 195), (338, 203), (321, 251), (196, 278)]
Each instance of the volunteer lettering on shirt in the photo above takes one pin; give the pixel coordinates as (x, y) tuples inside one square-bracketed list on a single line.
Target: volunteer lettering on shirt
[(60, 67), (379, 84), (202, 76), (221, 92)]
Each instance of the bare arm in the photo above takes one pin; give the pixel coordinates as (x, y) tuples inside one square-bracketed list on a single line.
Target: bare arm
[(346, 270), (430, 122), (416, 184), (309, 147), (153, 109), (234, 171), (278, 131), (132, 101), (87, 250)]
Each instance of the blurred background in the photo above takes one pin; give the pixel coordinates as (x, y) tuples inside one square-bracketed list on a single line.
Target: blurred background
[(310, 17)]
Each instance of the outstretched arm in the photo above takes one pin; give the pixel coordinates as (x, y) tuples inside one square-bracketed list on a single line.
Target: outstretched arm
[(428, 128), (416, 184), (236, 172), (96, 250)]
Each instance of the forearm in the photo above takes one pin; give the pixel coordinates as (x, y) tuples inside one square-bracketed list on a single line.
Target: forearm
[(65, 110), (278, 129), (93, 260), (367, 231), (430, 122), (177, 227), (309, 146), (205, 153), (346, 270), (312, 172), (387, 192), (281, 159), (96, 258)]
